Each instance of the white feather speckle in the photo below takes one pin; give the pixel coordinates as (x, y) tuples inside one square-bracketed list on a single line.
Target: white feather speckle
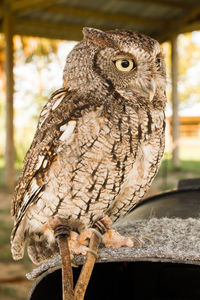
[(45, 163), (44, 112), (68, 130), (40, 160), (56, 103)]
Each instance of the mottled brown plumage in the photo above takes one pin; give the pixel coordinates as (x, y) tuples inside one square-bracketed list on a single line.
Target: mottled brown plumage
[(98, 143)]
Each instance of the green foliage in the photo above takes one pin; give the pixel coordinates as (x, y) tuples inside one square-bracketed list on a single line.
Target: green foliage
[(168, 177), (8, 291)]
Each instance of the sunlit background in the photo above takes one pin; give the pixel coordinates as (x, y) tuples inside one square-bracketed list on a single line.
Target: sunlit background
[(38, 72)]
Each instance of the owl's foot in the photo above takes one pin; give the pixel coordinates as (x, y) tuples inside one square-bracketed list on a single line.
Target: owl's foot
[(78, 244), (111, 238), (61, 233)]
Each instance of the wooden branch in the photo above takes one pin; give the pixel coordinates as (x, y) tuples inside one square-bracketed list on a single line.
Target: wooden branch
[(61, 233), (67, 275), (87, 269)]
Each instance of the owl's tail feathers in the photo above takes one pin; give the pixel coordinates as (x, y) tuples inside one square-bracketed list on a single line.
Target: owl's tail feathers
[(41, 245), (18, 241)]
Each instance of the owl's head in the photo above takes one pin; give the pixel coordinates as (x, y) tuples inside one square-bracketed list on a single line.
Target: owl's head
[(116, 60)]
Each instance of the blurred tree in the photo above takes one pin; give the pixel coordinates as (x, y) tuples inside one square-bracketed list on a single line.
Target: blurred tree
[(2, 94), (188, 66), (188, 79), (33, 58)]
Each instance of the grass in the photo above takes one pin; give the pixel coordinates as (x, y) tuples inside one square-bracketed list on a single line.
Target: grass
[(8, 268), (187, 166), (168, 176), (7, 291)]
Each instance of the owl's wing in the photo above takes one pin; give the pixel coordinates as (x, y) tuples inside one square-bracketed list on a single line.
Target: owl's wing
[(58, 111)]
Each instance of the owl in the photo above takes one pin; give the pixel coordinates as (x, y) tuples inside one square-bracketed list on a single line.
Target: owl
[(98, 143)]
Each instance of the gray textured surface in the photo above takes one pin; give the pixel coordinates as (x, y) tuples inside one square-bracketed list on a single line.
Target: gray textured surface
[(174, 240)]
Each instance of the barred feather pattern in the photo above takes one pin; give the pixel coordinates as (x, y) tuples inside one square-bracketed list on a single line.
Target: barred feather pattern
[(95, 153)]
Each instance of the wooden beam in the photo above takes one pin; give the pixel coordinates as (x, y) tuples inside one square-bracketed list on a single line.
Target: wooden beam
[(55, 30), (190, 27), (108, 16), (25, 26), (48, 29), (22, 6), (181, 25), (9, 151), (1, 11), (175, 103), (188, 19), (174, 4)]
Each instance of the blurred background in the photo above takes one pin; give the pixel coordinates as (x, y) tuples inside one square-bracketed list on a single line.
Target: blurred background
[(35, 38)]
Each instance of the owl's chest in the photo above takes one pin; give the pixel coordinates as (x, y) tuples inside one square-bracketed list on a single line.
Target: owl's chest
[(103, 158), (150, 124), (112, 143)]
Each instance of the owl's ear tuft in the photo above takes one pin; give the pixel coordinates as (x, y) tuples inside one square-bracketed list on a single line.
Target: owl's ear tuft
[(98, 36), (89, 32)]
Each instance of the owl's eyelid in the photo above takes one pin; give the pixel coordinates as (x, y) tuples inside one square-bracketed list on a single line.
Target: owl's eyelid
[(126, 58)]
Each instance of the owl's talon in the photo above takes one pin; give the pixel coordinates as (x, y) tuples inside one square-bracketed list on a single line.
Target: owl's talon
[(100, 236), (100, 226), (142, 238), (74, 265), (137, 241)]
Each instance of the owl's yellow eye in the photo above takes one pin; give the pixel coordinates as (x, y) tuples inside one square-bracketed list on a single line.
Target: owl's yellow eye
[(125, 65)]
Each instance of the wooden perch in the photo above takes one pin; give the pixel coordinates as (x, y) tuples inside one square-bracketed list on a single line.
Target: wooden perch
[(87, 268)]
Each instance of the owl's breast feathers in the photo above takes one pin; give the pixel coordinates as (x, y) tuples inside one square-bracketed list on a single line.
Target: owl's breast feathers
[(95, 140)]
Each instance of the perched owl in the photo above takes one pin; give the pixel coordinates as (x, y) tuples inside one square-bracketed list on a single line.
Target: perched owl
[(98, 143)]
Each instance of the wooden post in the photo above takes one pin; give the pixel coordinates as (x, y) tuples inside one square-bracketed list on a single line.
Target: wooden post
[(175, 103), (9, 151)]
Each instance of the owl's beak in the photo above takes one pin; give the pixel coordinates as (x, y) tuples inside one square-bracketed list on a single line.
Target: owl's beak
[(152, 89)]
